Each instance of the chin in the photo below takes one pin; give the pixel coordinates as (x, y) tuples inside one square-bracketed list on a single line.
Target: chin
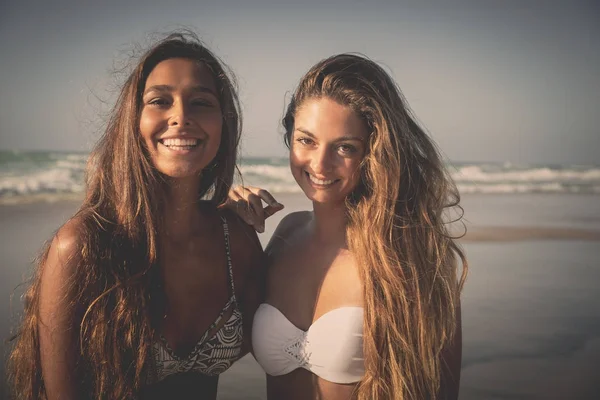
[(321, 196), (324, 198), (182, 167), (180, 172), (181, 175)]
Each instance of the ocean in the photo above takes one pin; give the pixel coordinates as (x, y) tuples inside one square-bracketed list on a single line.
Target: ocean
[(54, 176)]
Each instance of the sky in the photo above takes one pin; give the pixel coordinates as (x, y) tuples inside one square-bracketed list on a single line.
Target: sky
[(515, 81)]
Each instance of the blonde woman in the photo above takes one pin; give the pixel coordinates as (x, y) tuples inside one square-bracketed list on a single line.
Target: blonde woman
[(363, 291)]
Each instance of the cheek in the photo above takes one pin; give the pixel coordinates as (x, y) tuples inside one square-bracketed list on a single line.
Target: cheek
[(147, 125), (297, 157), (354, 164), (215, 132), (212, 123), (353, 168), (297, 163), (301, 159)]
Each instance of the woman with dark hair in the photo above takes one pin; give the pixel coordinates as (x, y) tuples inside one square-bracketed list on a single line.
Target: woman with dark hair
[(149, 282), (362, 296)]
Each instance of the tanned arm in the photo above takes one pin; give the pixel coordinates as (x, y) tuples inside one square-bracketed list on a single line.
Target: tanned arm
[(58, 325)]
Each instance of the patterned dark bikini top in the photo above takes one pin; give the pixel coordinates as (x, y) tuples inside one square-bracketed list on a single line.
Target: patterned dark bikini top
[(211, 355)]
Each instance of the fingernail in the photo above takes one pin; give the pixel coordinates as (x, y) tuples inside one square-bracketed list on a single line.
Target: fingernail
[(261, 228)]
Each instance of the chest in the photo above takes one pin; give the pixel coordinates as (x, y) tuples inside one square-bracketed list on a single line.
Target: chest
[(197, 284), (306, 281), (195, 270)]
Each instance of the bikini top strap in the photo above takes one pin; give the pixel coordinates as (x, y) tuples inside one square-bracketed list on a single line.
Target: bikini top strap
[(228, 252)]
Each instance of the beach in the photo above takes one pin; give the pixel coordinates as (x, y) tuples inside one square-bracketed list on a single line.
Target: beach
[(531, 308)]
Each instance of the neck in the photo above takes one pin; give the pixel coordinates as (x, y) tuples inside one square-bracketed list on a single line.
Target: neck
[(181, 213), (330, 223)]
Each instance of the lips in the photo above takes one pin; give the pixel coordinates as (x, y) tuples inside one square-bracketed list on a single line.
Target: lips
[(180, 143), (320, 182)]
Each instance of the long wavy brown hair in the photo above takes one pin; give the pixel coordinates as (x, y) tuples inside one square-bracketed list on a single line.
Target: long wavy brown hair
[(116, 282), (397, 231)]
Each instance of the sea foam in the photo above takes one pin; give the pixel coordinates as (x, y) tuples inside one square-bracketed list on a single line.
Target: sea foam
[(51, 175)]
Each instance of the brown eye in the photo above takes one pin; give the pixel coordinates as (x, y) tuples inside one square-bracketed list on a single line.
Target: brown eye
[(158, 102), (347, 149), (202, 103), (305, 141)]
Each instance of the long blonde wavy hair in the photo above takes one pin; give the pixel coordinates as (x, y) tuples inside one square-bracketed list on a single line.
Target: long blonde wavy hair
[(116, 285), (397, 231)]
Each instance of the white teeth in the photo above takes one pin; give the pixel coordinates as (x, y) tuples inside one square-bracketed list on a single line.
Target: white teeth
[(319, 181), (180, 142)]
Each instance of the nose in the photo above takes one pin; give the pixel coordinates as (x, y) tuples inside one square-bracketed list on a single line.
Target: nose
[(179, 114), (322, 161)]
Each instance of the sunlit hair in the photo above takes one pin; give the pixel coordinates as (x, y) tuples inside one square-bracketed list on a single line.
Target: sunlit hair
[(396, 231), (116, 284)]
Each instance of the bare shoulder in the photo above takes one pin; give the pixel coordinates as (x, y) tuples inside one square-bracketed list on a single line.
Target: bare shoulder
[(248, 263), (69, 234), (238, 229), (65, 248), (244, 242), (58, 270), (289, 225), (293, 220)]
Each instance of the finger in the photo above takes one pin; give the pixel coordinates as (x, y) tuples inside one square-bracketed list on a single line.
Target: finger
[(231, 201), (256, 204), (235, 191), (265, 196), (241, 208), (251, 199), (233, 198), (270, 210), (249, 208)]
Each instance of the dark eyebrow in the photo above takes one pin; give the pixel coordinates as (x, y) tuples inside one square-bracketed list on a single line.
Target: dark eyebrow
[(347, 137), (168, 88)]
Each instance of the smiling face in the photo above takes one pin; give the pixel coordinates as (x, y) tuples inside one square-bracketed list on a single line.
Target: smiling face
[(327, 146), (181, 119)]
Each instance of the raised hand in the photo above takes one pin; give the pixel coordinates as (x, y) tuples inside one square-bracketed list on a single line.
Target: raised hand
[(247, 202)]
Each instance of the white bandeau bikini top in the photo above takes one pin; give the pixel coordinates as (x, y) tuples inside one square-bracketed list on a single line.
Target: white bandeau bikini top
[(332, 348)]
